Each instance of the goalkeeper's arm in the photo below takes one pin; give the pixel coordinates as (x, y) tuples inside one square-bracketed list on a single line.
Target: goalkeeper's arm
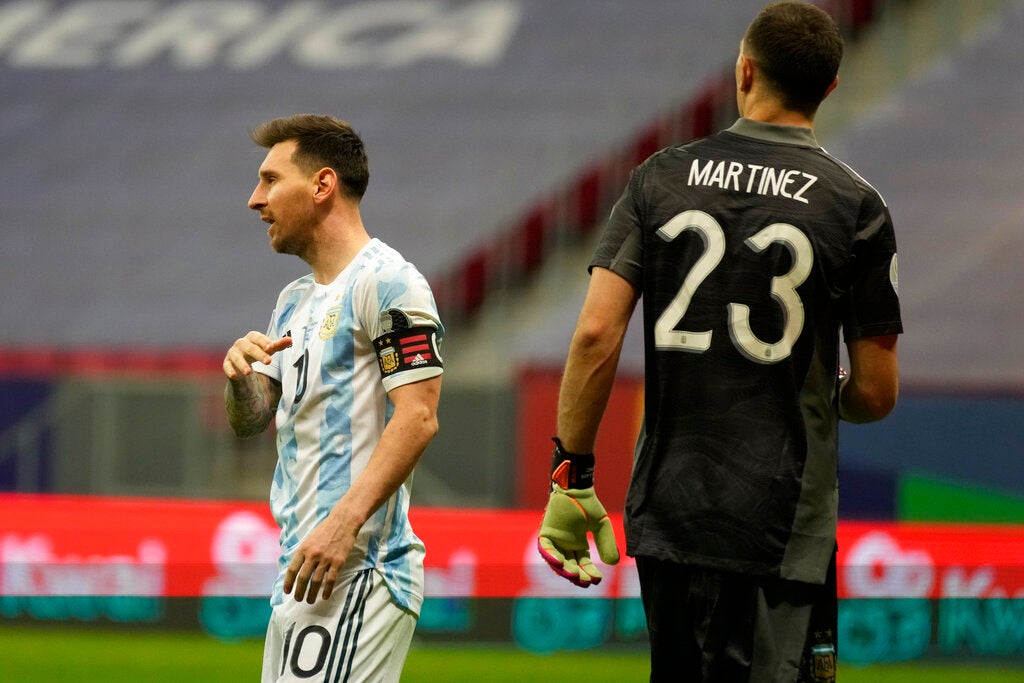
[(573, 509), (870, 390), (593, 359)]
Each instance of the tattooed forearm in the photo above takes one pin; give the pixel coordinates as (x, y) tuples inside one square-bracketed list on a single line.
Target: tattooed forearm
[(250, 404)]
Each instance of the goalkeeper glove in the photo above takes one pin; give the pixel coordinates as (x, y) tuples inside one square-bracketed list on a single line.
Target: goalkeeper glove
[(572, 510)]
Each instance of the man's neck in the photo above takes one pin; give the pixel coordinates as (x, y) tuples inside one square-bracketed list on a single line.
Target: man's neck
[(335, 250), (769, 110)]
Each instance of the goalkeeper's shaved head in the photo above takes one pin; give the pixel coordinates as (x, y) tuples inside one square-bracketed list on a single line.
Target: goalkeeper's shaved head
[(797, 48)]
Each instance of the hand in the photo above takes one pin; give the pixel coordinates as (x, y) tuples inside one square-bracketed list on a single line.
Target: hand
[(563, 542), (318, 561), (254, 347)]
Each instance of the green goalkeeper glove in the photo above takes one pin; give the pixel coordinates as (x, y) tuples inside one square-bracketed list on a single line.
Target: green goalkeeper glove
[(572, 510)]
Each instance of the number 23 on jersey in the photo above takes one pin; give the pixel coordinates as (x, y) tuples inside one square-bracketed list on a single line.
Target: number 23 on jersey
[(783, 289)]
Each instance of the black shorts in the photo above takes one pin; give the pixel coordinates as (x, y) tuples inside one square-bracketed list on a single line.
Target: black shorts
[(719, 627)]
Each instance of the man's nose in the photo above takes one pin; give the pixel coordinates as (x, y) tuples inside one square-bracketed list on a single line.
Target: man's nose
[(257, 200)]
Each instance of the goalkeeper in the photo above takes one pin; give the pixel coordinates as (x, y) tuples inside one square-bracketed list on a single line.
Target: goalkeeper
[(746, 284)]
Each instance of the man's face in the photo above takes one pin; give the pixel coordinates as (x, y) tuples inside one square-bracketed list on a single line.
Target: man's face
[(284, 199)]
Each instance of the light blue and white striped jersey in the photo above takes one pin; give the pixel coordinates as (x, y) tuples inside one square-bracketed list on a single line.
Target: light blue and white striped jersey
[(334, 405)]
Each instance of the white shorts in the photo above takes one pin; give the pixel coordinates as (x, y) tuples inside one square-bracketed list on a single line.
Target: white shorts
[(358, 635)]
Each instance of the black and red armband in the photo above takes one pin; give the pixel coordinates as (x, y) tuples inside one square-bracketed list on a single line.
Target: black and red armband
[(404, 347), (571, 470)]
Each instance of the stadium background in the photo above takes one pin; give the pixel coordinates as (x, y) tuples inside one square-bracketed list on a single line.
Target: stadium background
[(499, 132)]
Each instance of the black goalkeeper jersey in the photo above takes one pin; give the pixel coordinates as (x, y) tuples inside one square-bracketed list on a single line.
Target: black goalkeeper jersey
[(751, 248)]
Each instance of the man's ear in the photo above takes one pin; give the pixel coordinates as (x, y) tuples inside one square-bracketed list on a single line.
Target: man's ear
[(746, 75), (830, 88), (326, 183)]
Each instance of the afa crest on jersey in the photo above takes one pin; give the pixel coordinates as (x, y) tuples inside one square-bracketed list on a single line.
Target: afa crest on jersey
[(330, 324)]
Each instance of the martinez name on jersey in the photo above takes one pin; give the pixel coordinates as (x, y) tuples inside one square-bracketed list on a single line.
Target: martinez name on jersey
[(751, 178)]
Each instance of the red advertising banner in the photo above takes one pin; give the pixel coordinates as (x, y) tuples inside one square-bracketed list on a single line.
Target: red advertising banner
[(68, 545), (537, 392)]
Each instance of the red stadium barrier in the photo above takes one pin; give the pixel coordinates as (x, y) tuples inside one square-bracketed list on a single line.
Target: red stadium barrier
[(44, 362), (76, 545)]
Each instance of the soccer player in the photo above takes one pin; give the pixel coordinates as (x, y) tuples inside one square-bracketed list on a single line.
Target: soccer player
[(350, 368), (751, 249)]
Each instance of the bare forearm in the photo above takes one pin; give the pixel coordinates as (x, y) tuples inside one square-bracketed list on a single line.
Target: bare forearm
[(870, 391), (249, 403), (859, 405), (403, 442), (593, 359), (250, 398), (586, 385)]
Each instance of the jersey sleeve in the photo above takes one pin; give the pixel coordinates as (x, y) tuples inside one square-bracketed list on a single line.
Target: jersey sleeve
[(273, 368), (872, 306), (401, 318), (621, 247)]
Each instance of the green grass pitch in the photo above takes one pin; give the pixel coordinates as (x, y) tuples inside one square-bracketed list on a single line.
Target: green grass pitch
[(59, 653)]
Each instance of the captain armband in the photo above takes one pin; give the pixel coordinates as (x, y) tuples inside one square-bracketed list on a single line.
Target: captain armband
[(411, 348)]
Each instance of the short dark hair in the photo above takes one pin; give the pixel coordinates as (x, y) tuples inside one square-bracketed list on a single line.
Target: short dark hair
[(321, 141), (797, 47)]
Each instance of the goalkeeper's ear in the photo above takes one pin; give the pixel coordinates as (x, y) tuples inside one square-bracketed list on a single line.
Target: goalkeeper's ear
[(571, 470)]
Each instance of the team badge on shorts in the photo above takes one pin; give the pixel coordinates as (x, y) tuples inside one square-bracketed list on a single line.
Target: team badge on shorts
[(824, 663)]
